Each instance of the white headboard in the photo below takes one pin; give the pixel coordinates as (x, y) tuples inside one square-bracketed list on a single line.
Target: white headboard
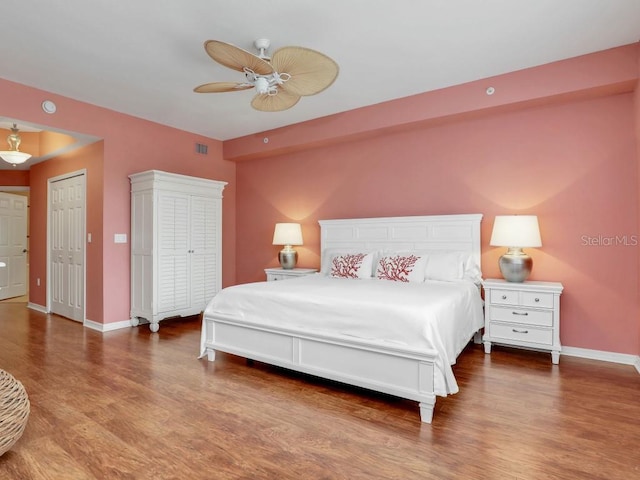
[(433, 232)]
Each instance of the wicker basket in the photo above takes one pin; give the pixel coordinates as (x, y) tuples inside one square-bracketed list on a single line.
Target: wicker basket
[(14, 411)]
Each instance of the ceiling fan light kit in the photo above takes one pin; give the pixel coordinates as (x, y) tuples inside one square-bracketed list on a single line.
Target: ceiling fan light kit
[(279, 80)]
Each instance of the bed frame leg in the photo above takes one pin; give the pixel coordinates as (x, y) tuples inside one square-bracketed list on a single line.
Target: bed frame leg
[(426, 412), (211, 354), (477, 338)]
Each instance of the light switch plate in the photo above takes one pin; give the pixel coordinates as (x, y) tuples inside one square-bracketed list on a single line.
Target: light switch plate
[(120, 238)]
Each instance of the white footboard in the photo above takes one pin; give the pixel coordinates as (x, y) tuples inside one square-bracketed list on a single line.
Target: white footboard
[(396, 371)]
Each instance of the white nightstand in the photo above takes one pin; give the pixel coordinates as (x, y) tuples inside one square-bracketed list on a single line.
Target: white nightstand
[(523, 315), (274, 274)]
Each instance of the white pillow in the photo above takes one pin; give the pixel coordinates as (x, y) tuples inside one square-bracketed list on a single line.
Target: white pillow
[(471, 269), (329, 253), (348, 264), (401, 267), (447, 266)]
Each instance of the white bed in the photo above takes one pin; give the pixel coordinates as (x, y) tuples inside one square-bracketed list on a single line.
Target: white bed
[(361, 341)]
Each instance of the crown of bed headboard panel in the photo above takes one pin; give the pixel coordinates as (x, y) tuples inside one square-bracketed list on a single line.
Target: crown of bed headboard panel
[(433, 232)]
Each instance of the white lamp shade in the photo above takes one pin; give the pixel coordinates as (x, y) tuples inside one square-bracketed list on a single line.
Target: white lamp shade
[(516, 231), (287, 234)]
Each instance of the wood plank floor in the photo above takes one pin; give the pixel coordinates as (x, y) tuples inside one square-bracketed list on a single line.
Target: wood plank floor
[(134, 405)]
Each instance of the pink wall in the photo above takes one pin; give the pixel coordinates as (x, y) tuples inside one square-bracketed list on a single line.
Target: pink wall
[(597, 74), (90, 159), (14, 178), (130, 145), (570, 159), (558, 140)]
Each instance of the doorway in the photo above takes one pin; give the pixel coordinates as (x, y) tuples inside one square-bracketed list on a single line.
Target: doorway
[(13, 245), (66, 272)]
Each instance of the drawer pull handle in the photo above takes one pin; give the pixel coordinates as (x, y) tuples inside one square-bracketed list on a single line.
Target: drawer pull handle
[(504, 297), (520, 313), (537, 299), (515, 330)]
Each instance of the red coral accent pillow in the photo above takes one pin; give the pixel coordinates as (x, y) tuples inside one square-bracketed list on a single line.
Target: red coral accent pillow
[(351, 265), (401, 268)]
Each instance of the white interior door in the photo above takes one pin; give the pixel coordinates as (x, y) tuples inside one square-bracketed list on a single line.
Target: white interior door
[(66, 240), (13, 245)]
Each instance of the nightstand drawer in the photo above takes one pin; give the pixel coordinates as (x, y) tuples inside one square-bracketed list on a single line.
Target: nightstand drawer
[(520, 315), (504, 297), (276, 274), (537, 299), (521, 333)]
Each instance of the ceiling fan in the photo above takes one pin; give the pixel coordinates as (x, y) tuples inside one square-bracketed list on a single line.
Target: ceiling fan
[(280, 80)]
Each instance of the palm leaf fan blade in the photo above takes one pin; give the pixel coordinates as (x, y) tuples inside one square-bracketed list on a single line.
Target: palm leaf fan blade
[(283, 100), (236, 58), (311, 72), (220, 87)]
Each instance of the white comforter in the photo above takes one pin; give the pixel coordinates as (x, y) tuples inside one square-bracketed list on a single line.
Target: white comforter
[(434, 316)]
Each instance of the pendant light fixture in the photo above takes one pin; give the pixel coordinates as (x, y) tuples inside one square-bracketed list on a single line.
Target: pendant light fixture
[(13, 155)]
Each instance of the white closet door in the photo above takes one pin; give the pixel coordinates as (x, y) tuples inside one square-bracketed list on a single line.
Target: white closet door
[(204, 245), (67, 203), (13, 245), (173, 252)]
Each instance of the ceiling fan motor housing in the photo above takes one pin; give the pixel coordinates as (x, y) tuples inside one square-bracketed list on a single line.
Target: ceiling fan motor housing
[(262, 85)]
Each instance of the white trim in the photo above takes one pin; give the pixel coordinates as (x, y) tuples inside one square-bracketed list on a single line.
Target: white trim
[(37, 308), (15, 189), (622, 358), (107, 327)]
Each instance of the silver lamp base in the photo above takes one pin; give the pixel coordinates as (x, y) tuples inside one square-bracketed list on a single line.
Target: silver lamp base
[(515, 265), (288, 257)]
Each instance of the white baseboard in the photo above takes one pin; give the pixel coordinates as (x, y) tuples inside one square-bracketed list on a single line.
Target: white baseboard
[(622, 358), (107, 327), (100, 327), (613, 357), (38, 308)]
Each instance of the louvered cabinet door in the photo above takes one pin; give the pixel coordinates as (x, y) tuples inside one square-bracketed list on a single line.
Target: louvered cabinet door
[(173, 252), (205, 239)]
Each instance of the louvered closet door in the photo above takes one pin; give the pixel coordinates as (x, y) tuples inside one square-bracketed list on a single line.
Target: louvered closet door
[(173, 247), (204, 240)]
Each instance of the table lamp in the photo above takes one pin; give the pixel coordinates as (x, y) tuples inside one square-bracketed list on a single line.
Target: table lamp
[(516, 232), (287, 234)]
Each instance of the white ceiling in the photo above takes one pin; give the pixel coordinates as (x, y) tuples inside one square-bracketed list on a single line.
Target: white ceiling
[(144, 57)]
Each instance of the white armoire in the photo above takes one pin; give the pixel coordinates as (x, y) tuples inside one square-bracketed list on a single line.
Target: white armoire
[(176, 245)]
